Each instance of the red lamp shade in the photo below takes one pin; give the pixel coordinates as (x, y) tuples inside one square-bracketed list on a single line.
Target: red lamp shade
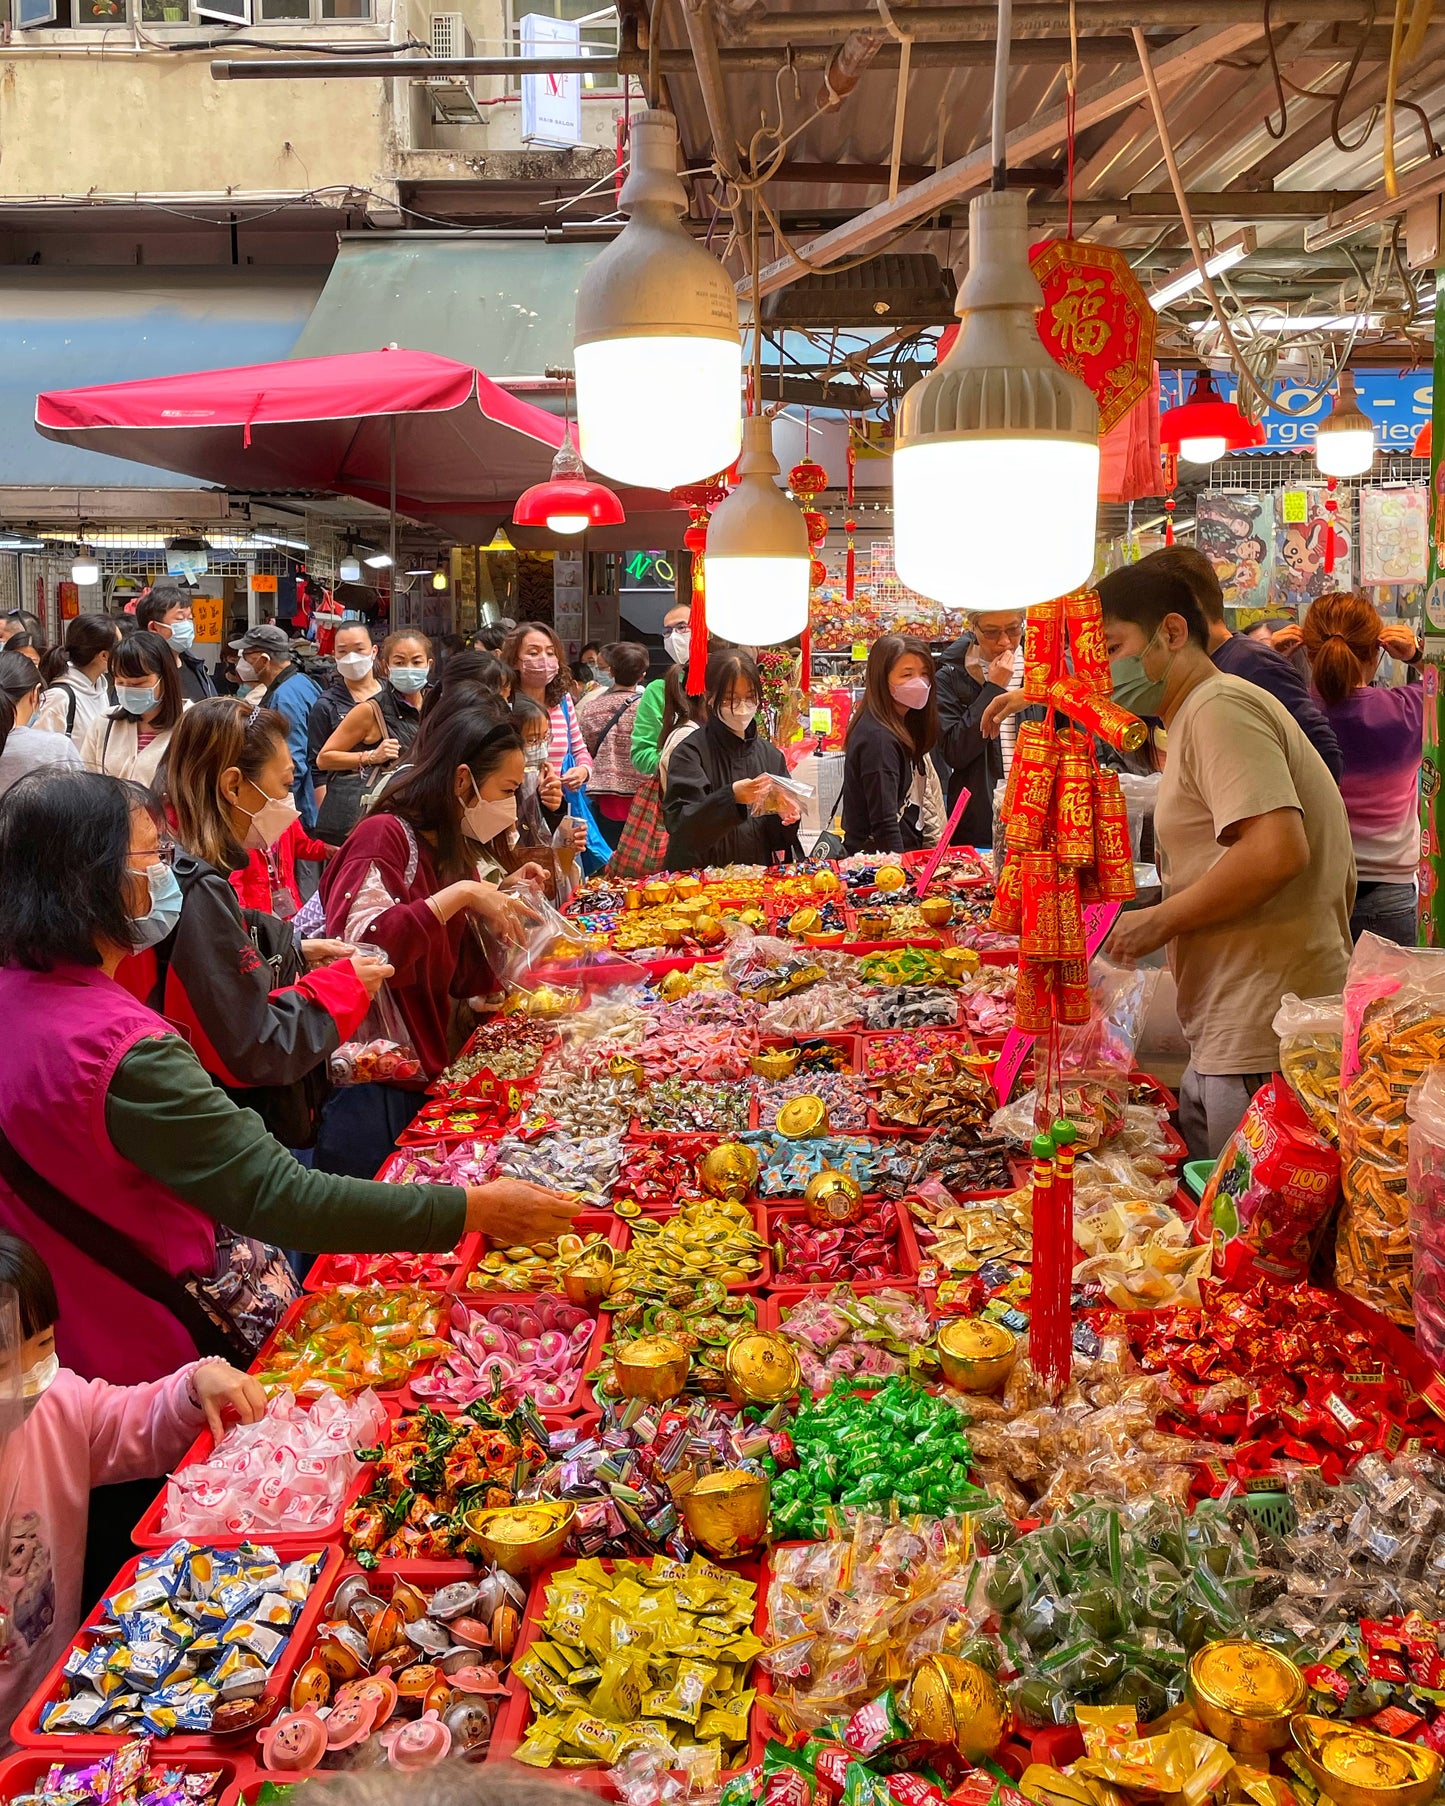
[(1206, 426), (1423, 441), (569, 501)]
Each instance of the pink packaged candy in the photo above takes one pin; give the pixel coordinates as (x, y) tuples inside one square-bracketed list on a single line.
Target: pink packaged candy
[(514, 1349)]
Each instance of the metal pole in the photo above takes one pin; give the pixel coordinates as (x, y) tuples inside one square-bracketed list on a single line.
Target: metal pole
[(391, 546)]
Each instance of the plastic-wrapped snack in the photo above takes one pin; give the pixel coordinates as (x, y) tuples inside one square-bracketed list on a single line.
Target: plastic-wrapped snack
[(1427, 1211), (1311, 1038)]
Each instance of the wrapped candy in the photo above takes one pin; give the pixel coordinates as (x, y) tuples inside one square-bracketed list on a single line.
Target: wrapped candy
[(903, 1053), (785, 1166), (584, 1711), (689, 1105), (507, 1047), (847, 1335), (585, 1108), (532, 1269), (587, 1166), (866, 1250), (842, 1092), (825, 1008), (128, 1777), (950, 1092), (161, 1661), (353, 1337), (505, 1352), (287, 1473), (911, 1006)]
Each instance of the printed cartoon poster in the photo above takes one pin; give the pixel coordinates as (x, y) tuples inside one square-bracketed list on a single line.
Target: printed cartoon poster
[(1302, 549), (1394, 542), (1235, 532)]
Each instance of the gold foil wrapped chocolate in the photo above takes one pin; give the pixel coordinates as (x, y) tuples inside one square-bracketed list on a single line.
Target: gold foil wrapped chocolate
[(1245, 1694), (761, 1368), (775, 1062), (623, 1066), (957, 1702), (1355, 1767), (726, 1513), (832, 1199)]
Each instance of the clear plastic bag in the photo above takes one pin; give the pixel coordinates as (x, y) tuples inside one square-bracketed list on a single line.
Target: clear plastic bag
[(782, 797), (1426, 1105), (381, 1051), (1311, 1039), (1394, 1032)]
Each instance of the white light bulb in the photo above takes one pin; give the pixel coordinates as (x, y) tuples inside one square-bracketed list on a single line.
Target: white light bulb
[(757, 601), (1202, 451), (85, 570), (659, 411), (566, 523), (349, 570), (993, 523), (1345, 454)]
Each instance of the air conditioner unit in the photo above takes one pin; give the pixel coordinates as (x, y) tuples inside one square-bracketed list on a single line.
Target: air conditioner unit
[(453, 97)]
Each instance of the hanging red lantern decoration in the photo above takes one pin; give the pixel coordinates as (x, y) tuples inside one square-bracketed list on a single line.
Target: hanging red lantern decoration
[(1206, 426), (1096, 322), (808, 480), (699, 499)]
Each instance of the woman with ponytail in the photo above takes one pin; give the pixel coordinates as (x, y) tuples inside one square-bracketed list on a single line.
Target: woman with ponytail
[(24, 747), (1380, 731)]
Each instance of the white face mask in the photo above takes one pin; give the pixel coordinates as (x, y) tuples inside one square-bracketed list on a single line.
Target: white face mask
[(739, 716), (354, 665), (246, 671), (484, 820), (677, 643), (269, 822), (39, 1378)]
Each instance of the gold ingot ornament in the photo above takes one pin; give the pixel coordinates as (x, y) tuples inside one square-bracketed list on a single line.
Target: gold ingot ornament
[(805, 921), (890, 877), (728, 1171), (1355, 1767), (726, 1513), (1245, 1694), (832, 1199), (623, 1066), (588, 1280), (976, 1356), (760, 1368), (957, 1702), (775, 1062), (936, 911), (520, 1539), (653, 1368), (803, 1118)]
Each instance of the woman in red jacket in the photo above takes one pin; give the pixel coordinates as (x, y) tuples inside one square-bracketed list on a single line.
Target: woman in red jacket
[(267, 881)]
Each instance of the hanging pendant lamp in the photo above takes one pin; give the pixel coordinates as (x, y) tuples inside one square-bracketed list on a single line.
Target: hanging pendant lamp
[(1206, 426), (658, 353), (996, 467), (1345, 438), (758, 561), (569, 501)]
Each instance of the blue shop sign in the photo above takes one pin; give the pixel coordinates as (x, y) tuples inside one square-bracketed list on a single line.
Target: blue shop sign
[(1398, 401)]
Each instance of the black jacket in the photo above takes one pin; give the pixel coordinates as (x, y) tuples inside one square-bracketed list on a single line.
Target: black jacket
[(878, 773), (195, 680), (706, 824), (972, 760)]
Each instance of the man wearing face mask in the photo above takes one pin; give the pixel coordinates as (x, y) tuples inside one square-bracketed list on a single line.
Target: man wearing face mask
[(1253, 845), (975, 669), (166, 610), (264, 656), (647, 722)]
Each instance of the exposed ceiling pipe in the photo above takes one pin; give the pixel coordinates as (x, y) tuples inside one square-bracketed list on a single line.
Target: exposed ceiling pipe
[(1093, 17), (700, 35), (846, 66)]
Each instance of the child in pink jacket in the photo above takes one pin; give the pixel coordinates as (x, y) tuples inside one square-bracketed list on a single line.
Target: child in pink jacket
[(76, 1434)]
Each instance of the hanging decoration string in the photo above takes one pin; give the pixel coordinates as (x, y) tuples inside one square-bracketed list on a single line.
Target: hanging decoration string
[(1071, 105)]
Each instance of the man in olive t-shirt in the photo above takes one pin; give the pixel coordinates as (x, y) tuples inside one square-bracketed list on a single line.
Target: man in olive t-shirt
[(1254, 850)]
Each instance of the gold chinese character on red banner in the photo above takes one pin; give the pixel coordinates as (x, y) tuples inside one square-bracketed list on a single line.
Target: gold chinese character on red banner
[(1096, 322)]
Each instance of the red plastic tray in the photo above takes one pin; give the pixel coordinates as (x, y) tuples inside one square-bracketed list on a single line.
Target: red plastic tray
[(293, 1312), (511, 1727), (324, 1276), (26, 1728), (581, 1399), (906, 1276), (872, 1037), (20, 1772), (760, 1215), (149, 1535), (586, 1222)]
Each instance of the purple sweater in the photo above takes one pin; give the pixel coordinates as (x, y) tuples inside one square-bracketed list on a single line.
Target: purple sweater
[(1243, 657), (1381, 732)]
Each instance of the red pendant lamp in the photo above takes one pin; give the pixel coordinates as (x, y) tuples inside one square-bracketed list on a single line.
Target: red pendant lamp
[(1206, 426), (1423, 441), (569, 501)]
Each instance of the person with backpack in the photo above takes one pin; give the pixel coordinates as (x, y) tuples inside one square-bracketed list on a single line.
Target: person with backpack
[(132, 740), (606, 717), (81, 693), (23, 748), (264, 656)]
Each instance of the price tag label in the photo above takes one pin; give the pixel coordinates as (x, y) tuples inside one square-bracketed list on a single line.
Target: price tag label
[(1294, 507), (860, 652), (820, 721)]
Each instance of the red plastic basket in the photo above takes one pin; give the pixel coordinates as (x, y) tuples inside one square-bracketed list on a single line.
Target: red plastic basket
[(760, 1216), (881, 1037), (293, 1312), (26, 1728), (324, 1275), (587, 1222), (511, 1727), (22, 1772), (148, 1533), (907, 1274), (581, 1399)]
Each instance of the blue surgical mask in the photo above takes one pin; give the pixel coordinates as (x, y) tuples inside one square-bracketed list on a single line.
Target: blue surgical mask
[(136, 702), (165, 909), (183, 635), (408, 677)]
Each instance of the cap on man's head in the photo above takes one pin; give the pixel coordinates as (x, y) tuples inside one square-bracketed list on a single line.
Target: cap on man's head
[(270, 640)]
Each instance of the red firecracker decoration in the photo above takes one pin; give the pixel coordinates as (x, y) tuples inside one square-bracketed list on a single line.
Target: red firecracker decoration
[(807, 480), (700, 499), (1169, 506), (1332, 508)]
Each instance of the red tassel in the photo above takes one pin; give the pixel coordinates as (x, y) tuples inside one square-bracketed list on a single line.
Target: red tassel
[(1332, 508), (805, 665), (697, 632), (1051, 1329), (1169, 508)]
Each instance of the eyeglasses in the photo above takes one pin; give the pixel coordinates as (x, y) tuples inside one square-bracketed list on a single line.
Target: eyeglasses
[(163, 853)]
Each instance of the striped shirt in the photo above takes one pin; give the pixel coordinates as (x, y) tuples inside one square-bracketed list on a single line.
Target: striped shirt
[(566, 737)]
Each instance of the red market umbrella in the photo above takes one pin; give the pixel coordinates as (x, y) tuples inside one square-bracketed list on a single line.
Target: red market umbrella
[(462, 447)]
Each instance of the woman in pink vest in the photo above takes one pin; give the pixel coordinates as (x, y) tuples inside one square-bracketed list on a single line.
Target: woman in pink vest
[(154, 1200)]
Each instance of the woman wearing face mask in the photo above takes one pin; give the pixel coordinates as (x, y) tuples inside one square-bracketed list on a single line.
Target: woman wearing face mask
[(261, 1023), (535, 654), (886, 765), (376, 732), (606, 718), (544, 828), (133, 739), (137, 1179), (23, 747), (355, 682), (407, 881), (76, 1434), (715, 774), (80, 693)]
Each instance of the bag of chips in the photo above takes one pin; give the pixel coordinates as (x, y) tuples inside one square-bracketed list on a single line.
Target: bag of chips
[(1271, 1192)]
